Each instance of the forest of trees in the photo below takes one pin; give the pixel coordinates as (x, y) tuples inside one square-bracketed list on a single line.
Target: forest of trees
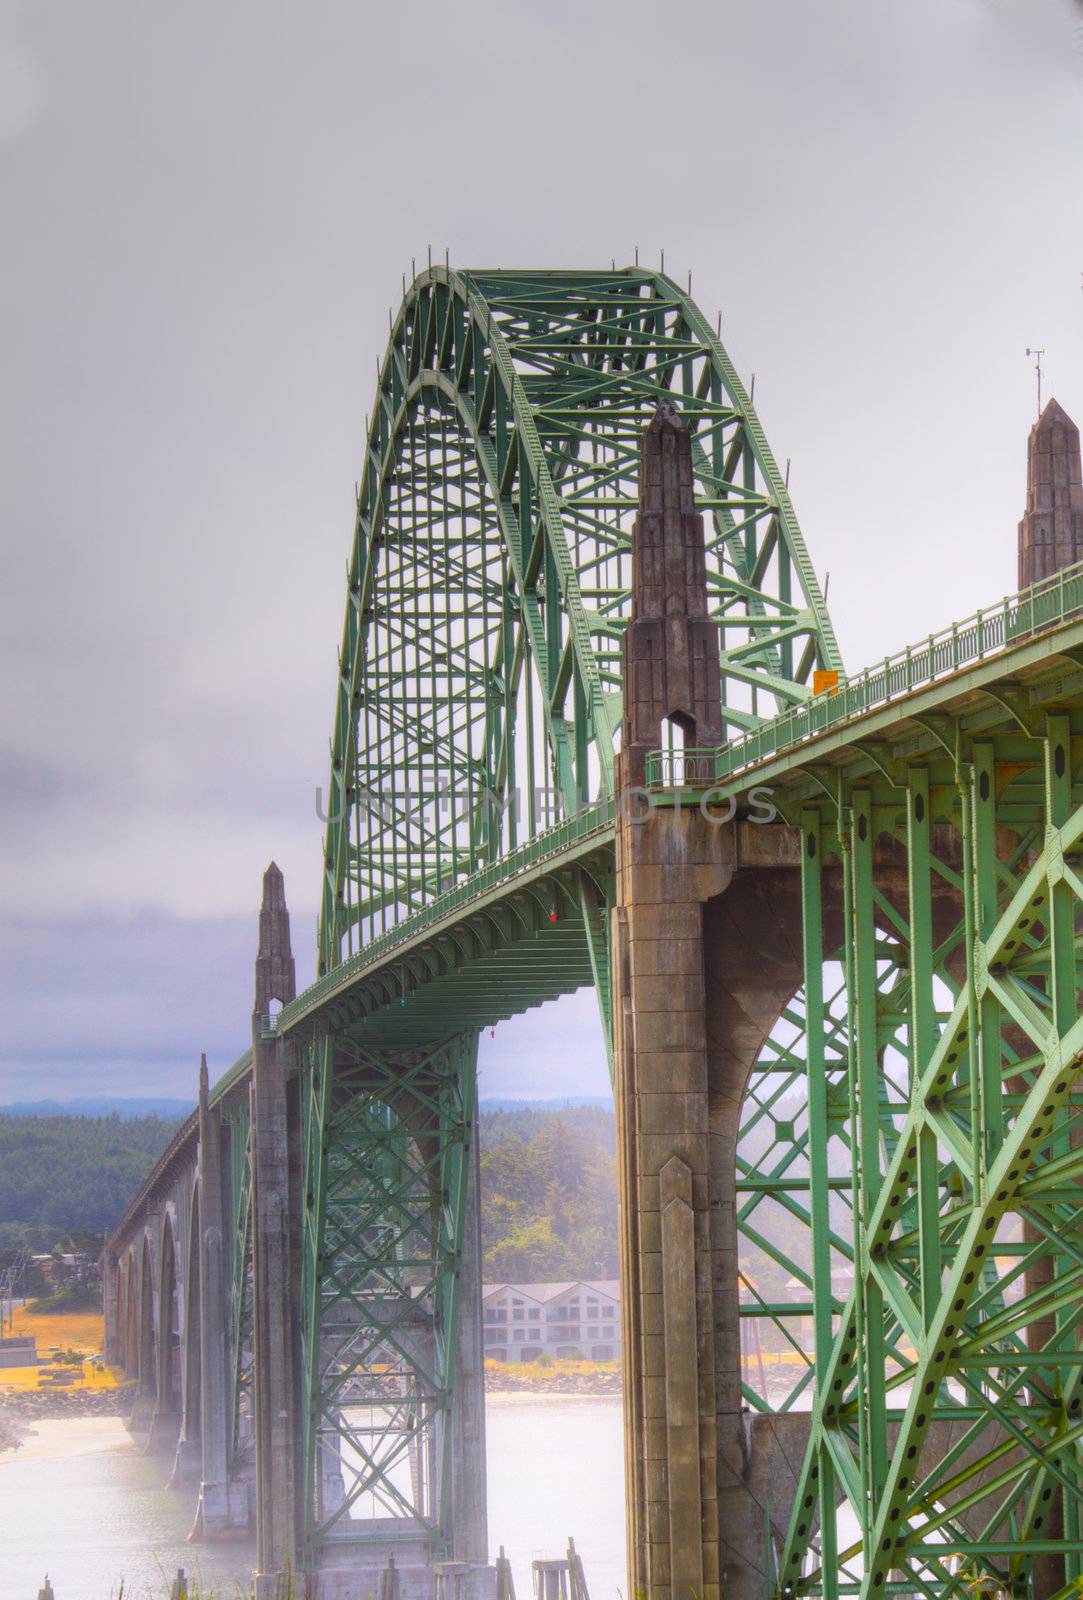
[(549, 1184), (59, 1174), (549, 1194), (548, 1181)]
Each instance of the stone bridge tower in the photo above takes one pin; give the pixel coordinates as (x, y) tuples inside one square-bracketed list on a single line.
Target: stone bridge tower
[(671, 649), (1051, 532), (276, 1253), (706, 951)]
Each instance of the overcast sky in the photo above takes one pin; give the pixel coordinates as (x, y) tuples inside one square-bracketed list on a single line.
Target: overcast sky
[(207, 209)]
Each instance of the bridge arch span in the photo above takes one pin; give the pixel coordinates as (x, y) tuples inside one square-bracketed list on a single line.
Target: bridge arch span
[(131, 1319), (190, 1425), (148, 1344), (887, 983), (169, 1320), (491, 571)]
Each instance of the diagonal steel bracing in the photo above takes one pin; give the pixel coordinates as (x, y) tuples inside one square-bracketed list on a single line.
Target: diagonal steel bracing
[(908, 1173)]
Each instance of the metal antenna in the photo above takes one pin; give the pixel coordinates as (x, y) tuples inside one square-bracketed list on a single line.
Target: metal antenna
[(1037, 354)]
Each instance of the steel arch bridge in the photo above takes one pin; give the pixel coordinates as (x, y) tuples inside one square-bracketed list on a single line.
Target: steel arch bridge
[(490, 577), (882, 992)]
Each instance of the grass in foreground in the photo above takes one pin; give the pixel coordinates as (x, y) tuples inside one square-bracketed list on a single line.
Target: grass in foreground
[(73, 1330)]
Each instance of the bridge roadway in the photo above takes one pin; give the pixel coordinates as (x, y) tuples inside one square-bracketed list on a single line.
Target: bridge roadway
[(456, 964), (479, 931), (846, 1041)]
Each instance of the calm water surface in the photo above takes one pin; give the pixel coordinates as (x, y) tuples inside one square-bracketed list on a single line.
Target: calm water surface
[(80, 1502)]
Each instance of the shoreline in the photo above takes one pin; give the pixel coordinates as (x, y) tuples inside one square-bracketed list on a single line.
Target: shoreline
[(504, 1379), (21, 1408), (12, 1433), (498, 1399)]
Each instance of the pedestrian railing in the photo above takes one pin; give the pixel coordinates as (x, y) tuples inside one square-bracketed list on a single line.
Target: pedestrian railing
[(1031, 612), (592, 820)]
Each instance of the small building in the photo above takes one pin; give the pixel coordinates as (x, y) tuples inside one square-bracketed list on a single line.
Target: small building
[(19, 1363), (523, 1321)]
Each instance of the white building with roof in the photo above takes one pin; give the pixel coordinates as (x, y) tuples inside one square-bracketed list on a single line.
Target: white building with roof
[(523, 1321)]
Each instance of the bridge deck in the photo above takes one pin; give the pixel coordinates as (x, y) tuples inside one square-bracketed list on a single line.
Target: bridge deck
[(471, 957)]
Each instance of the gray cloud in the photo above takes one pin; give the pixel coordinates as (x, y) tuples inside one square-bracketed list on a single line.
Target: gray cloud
[(121, 1005), (207, 212)]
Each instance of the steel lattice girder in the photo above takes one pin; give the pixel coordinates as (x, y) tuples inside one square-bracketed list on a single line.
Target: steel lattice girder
[(947, 1408), (388, 1145), (882, 984), (489, 579), (488, 590)]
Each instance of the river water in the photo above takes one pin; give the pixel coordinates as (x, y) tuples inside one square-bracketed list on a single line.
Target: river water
[(81, 1502)]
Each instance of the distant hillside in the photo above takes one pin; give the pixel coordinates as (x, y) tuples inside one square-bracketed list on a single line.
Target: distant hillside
[(549, 1193), (59, 1173), (549, 1182), (546, 1105), (100, 1106)]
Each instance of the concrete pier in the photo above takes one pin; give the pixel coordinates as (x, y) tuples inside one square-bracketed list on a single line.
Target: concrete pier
[(275, 1211), (1051, 530), (213, 1511), (468, 1481), (706, 950)]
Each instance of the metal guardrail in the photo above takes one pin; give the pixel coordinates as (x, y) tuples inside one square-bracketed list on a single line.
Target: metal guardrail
[(1043, 606), (180, 1139), (593, 819), (988, 632)]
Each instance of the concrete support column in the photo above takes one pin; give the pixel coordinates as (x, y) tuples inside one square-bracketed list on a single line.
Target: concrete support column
[(114, 1334), (212, 1514), (274, 1326), (275, 1214), (696, 1512), (166, 1420), (468, 1482), (678, 1210)]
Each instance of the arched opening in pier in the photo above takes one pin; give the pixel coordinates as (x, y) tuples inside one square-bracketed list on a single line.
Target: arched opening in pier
[(130, 1326), (121, 1346), (192, 1367), (148, 1363), (169, 1376)]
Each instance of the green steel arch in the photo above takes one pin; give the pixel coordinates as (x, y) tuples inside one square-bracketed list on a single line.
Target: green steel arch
[(909, 1162), (914, 1115), (478, 704), (478, 695)]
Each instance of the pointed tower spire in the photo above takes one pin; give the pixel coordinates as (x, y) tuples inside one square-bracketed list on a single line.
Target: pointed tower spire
[(1051, 532), (671, 645), (275, 976), (204, 1082)]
